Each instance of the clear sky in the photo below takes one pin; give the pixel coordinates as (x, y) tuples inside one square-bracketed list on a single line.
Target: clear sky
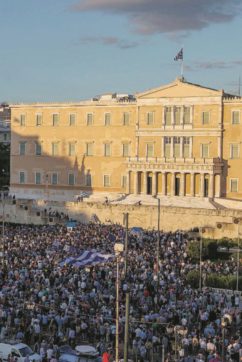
[(57, 50)]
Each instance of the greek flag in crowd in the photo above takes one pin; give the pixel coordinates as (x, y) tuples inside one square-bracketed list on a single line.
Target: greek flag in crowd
[(87, 258)]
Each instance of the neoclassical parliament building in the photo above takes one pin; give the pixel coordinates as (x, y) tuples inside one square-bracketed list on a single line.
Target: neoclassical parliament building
[(181, 139)]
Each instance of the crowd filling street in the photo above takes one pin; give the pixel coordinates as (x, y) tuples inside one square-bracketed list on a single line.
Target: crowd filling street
[(46, 304)]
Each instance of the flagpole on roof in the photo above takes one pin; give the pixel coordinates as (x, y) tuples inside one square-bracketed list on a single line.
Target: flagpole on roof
[(182, 63), (179, 56)]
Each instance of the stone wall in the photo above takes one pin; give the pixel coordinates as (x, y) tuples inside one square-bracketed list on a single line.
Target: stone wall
[(216, 223)]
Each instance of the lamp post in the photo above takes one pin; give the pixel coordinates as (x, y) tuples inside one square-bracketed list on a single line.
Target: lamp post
[(3, 226), (202, 230), (118, 249), (158, 244), (126, 330), (236, 221)]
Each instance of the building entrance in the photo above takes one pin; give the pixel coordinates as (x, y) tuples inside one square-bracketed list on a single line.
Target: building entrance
[(149, 185), (177, 186), (206, 187)]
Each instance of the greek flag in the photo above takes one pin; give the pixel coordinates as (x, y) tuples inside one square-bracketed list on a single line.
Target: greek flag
[(87, 258), (179, 55)]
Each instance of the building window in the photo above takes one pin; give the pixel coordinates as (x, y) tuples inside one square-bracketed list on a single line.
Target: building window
[(22, 177), (106, 180), (125, 150), (168, 113), (89, 119), (89, 149), (107, 149), (38, 149), (55, 120), (149, 150), (204, 150), (22, 119), (107, 119), (187, 115), (22, 148), (71, 148), (235, 117), (126, 119), (55, 148), (124, 181), (186, 147), (234, 185), (71, 179), (177, 115), (5, 136), (72, 119), (234, 150), (150, 118), (177, 141), (167, 146), (54, 178), (37, 178), (88, 179), (205, 117), (38, 119)]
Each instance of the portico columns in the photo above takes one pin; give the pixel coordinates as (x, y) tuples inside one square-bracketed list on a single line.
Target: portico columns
[(163, 183), (202, 177), (192, 192), (145, 182), (211, 186), (173, 175), (136, 180), (182, 185), (154, 184)]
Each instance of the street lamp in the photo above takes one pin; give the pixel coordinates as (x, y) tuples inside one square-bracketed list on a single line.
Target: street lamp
[(158, 242), (3, 224), (236, 221), (118, 249), (202, 231)]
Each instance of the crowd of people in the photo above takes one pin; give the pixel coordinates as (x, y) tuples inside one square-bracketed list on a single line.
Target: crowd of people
[(47, 304)]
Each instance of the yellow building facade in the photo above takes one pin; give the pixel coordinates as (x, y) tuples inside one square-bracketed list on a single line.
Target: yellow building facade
[(180, 139)]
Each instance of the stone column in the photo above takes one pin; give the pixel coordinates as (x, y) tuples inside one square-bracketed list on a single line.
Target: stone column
[(181, 147), (163, 183), (128, 183), (145, 182), (172, 116), (190, 147), (218, 186), (172, 147), (182, 116), (162, 147), (173, 176), (154, 184), (182, 184), (202, 185), (211, 186), (192, 192), (136, 181)]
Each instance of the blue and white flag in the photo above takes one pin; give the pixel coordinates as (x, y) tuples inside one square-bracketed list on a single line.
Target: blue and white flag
[(87, 258), (179, 55)]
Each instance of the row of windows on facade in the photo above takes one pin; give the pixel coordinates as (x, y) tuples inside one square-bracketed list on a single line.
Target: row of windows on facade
[(55, 149), (71, 180), (173, 147), (88, 180), (172, 115), (72, 119)]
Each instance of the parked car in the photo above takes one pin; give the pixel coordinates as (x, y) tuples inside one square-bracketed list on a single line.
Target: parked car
[(18, 350), (82, 353)]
